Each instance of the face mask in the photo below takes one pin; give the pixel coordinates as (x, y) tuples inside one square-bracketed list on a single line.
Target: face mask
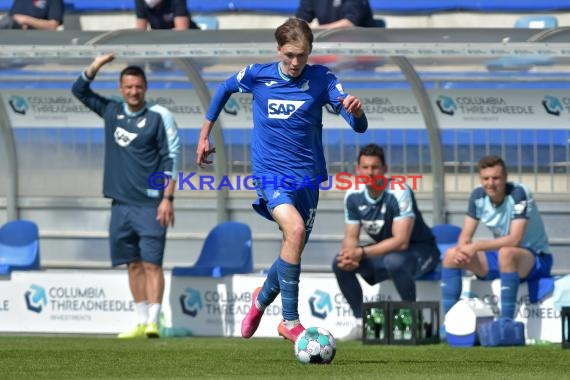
[(152, 3)]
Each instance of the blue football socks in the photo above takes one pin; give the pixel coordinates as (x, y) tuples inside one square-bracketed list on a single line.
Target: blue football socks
[(289, 285), (270, 289), (509, 288), (450, 287)]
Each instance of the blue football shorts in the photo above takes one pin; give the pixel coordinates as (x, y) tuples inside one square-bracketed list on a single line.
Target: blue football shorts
[(135, 235), (541, 268), (305, 199)]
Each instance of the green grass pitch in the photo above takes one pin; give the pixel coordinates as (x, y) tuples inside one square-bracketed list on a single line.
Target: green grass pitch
[(103, 357)]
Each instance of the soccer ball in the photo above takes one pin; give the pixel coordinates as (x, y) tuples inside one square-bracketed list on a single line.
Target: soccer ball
[(315, 345)]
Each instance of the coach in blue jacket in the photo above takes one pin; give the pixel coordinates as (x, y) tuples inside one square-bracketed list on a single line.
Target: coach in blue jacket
[(141, 140)]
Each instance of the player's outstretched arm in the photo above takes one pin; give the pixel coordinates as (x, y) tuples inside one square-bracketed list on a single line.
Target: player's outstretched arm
[(204, 148), (352, 105), (97, 63), (223, 93), (81, 87), (353, 113)]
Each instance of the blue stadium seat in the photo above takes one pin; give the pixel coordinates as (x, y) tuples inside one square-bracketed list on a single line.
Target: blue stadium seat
[(226, 250), (446, 236), (537, 22), (19, 246), (206, 22)]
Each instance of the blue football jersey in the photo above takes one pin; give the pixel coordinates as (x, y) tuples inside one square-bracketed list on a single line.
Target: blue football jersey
[(137, 145), (518, 204), (376, 216), (287, 117)]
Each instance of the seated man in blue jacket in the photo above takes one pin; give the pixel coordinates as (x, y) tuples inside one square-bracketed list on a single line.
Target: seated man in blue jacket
[(404, 246)]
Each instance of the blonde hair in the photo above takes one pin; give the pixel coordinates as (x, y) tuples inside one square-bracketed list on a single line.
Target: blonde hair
[(294, 30)]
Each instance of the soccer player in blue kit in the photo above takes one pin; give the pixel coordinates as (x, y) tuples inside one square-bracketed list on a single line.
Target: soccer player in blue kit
[(288, 100), (519, 249)]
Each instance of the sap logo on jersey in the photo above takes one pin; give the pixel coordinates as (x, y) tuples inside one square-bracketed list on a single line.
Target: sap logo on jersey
[(282, 109)]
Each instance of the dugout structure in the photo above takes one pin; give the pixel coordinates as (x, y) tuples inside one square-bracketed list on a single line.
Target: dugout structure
[(437, 100)]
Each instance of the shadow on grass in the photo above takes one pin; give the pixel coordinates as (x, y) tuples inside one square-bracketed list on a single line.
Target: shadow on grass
[(408, 361)]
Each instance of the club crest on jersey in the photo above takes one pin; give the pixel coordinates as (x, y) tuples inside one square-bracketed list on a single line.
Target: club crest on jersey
[(123, 138), (282, 109), (305, 85), (373, 227), (141, 123), (519, 208)]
